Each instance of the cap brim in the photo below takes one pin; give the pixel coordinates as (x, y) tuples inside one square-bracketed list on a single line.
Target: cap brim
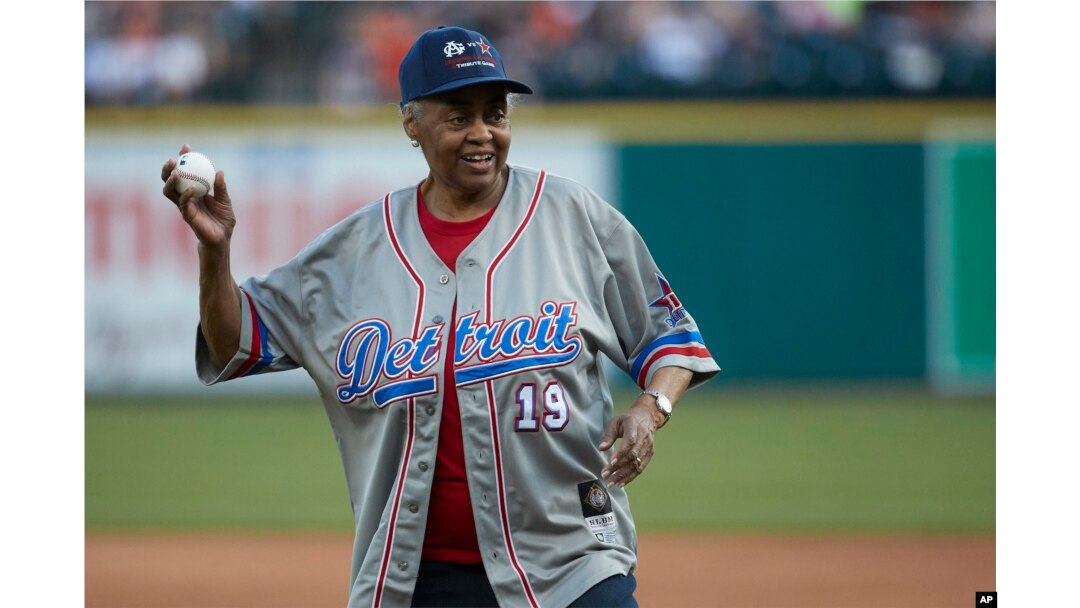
[(511, 85)]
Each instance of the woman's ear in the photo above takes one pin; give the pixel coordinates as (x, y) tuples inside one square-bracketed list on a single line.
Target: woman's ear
[(408, 123)]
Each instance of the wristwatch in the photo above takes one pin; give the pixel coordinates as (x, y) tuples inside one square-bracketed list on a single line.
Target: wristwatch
[(662, 403)]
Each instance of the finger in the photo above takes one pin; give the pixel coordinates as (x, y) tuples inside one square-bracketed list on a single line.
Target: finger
[(627, 479), (621, 476), (167, 168), (631, 469), (621, 462), (169, 189), (221, 191), (623, 466), (186, 204), (633, 461), (627, 445), (611, 432)]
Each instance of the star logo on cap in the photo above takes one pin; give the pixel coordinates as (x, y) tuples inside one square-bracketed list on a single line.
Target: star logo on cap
[(483, 47)]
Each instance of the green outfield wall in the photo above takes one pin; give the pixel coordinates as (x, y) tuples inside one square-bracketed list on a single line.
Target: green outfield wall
[(800, 261)]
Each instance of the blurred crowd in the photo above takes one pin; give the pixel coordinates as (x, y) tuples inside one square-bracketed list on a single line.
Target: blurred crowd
[(250, 51)]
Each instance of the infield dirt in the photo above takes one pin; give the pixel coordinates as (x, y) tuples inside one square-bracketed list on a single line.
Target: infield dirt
[(310, 571)]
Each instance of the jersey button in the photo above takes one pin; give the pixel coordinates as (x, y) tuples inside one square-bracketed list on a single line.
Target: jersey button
[(437, 319), (403, 565), (423, 466), (430, 410), (444, 279), (414, 507)]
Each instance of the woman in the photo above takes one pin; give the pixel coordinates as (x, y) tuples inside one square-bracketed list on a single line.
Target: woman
[(454, 329)]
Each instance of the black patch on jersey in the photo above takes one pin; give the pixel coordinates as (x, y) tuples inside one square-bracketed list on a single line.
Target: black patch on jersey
[(594, 498)]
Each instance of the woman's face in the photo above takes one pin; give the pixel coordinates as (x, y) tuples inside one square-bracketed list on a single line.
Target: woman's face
[(465, 137)]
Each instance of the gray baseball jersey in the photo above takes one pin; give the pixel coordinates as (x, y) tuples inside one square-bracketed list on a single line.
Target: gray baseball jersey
[(557, 277)]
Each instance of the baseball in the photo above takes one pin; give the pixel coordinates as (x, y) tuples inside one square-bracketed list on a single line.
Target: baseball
[(195, 169)]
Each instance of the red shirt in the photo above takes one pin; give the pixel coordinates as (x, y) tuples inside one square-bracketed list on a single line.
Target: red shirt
[(451, 531)]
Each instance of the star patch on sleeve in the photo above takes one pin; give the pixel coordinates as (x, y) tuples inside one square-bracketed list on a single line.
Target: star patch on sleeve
[(668, 300)]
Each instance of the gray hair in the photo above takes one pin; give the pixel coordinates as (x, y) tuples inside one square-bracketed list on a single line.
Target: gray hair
[(416, 106)]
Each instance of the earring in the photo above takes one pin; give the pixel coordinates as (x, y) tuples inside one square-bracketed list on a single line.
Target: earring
[(414, 143)]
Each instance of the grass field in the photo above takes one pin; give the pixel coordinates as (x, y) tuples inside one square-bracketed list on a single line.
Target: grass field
[(792, 461)]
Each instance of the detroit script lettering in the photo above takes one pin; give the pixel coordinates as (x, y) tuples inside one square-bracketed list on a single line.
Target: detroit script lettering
[(371, 363)]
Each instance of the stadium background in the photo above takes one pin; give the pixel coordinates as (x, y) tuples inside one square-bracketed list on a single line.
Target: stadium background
[(816, 180)]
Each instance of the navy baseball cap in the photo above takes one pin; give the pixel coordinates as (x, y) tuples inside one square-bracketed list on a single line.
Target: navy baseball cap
[(448, 58)]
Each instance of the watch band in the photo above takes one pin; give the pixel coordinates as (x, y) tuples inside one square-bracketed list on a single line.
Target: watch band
[(663, 404)]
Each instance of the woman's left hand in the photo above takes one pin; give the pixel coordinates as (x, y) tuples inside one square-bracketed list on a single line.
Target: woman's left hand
[(637, 428)]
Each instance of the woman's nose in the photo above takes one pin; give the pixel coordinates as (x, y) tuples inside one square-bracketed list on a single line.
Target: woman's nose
[(479, 131)]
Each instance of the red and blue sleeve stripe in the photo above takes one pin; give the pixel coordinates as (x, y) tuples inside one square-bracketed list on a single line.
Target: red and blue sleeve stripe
[(260, 355), (687, 344)]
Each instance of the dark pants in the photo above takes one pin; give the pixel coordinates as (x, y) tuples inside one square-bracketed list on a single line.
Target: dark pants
[(458, 585), (453, 585), (612, 592)]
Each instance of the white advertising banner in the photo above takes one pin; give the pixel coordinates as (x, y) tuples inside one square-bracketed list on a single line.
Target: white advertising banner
[(141, 264)]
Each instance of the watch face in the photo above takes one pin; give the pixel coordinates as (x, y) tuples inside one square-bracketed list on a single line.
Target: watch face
[(664, 404)]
